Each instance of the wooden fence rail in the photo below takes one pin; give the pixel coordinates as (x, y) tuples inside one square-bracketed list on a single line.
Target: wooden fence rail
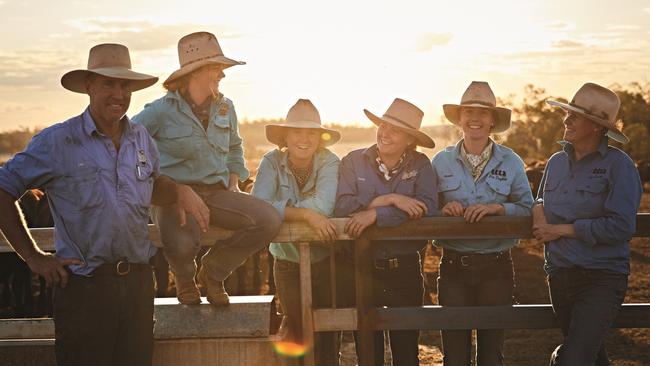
[(366, 318)]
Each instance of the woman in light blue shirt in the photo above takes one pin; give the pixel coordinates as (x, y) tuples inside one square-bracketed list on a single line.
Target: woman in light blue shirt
[(299, 179), (478, 177)]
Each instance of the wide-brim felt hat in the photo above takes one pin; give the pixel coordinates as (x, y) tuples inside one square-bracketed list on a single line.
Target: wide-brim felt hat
[(407, 118), (597, 104), (479, 95), (110, 60), (303, 114), (199, 49)]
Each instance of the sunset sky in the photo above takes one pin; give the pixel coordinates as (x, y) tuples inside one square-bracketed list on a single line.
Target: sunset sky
[(343, 55)]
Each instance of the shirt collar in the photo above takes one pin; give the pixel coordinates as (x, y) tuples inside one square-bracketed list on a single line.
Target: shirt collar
[(90, 128), (602, 146)]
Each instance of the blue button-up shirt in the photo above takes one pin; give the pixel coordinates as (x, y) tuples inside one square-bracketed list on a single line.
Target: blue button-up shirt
[(99, 197), (276, 185), (188, 152), (600, 195), (360, 182), (503, 181)]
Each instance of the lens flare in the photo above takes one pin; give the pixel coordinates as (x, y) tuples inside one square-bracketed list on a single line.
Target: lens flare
[(326, 136), (290, 349)]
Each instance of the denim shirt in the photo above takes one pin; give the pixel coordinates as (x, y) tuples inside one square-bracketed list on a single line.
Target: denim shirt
[(599, 195), (99, 197), (503, 181), (360, 182), (276, 185), (189, 153)]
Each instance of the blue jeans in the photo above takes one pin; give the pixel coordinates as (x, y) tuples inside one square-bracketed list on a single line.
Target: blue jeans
[(585, 302), (254, 221)]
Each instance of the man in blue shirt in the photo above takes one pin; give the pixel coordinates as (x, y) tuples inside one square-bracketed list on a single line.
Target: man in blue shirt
[(101, 173), (588, 201)]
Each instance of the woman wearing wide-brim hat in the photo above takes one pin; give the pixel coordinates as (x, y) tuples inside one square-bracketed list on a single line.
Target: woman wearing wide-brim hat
[(299, 179), (386, 184), (586, 214), (478, 177), (195, 128)]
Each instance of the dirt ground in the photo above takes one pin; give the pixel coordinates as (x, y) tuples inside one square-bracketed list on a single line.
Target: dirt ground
[(626, 347)]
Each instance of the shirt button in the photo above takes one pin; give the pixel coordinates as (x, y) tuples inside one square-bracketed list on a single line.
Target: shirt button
[(565, 192)]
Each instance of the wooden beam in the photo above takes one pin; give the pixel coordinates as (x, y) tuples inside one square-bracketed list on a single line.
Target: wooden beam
[(364, 301), (427, 228), (331, 320), (306, 303)]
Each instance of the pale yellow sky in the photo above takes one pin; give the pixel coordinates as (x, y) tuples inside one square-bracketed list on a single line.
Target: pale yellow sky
[(344, 55)]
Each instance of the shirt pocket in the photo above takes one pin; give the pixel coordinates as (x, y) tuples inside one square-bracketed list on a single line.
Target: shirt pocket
[(590, 197), (144, 181), (176, 141), (449, 187), (81, 189), (499, 190), (220, 134)]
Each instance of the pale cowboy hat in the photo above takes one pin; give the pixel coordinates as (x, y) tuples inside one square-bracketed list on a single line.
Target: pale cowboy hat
[(110, 60), (196, 50), (303, 114), (598, 104), (407, 118), (479, 95)]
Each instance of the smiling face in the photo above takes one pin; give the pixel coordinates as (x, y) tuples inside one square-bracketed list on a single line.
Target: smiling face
[(578, 128), (209, 77), (302, 144), (476, 122), (109, 98), (391, 141)]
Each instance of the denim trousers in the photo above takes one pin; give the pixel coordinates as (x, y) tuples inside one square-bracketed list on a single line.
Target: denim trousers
[(105, 319), (287, 282), (585, 302), (474, 280), (253, 221)]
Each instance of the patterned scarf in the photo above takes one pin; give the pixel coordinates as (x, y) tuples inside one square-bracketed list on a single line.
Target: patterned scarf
[(201, 111), (477, 162), (388, 174), (301, 174)]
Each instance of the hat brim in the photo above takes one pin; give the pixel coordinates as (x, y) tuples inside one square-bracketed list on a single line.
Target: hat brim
[(275, 132), (421, 138), (75, 80), (612, 132), (501, 124), (221, 60)]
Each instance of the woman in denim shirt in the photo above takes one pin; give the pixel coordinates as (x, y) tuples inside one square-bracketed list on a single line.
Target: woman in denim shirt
[(195, 129), (478, 177), (586, 215), (299, 179), (387, 184)]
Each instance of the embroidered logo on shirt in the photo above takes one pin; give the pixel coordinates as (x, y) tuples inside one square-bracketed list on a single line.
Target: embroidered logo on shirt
[(361, 179), (498, 174), (409, 175), (599, 171), (223, 110)]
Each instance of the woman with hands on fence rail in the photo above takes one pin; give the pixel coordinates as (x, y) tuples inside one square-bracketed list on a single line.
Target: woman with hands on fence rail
[(387, 184), (585, 215), (476, 178), (299, 179)]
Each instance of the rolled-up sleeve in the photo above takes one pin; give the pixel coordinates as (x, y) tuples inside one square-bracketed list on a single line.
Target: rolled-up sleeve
[(347, 195), (325, 194), (266, 186), (32, 168), (618, 223), (235, 158), (520, 200)]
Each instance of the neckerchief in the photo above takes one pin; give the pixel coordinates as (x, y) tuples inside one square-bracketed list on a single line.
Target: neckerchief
[(388, 174), (477, 162)]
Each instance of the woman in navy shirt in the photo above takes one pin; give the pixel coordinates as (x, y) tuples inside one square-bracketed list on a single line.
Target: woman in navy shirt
[(586, 215)]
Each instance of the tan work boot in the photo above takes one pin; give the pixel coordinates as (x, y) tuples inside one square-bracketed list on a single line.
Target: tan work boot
[(187, 293), (214, 289)]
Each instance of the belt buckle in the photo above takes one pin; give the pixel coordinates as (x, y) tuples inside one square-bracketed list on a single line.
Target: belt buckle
[(393, 263), (462, 260), (123, 268)]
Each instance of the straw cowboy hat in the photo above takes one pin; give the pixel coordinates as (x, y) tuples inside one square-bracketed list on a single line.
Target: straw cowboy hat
[(303, 114), (598, 104), (110, 60), (407, 118), (196, 50), (479, 95)]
